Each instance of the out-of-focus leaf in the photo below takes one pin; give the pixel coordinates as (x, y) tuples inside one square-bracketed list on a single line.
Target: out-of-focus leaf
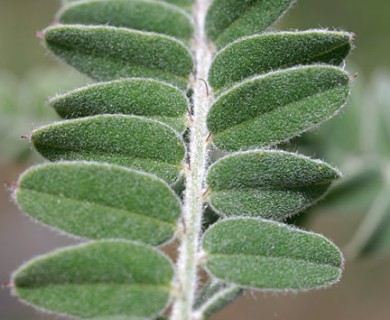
[(145, 15), (267, 255), (356, 192), (378, 98), (22, 106), (373, 234), (263, 53), (64, 2), (99, 201), (109, 53), (142, 97), (214, 296), (130, 141), (268, 184), (181, 3), (228, 20), (380, 241), (99, 280), (275, 107)]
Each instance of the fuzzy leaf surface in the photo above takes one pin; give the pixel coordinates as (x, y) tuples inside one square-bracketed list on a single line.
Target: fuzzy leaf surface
[(260, 54), (130, 141), (99, 280), (267, 255), (268, 184), (145, 15), (110, 53), (228, 20), (99, 201), (140, 97), (275, 107)]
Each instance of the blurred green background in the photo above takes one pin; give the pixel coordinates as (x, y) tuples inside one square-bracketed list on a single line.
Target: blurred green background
[(357, 141)]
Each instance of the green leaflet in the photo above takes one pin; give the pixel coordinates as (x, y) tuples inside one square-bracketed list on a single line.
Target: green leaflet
[(263, 53), (269, 184), (99, 201), (277, 106), (145, 15), (109, 53), (99, 280), (262, 254), (129, 141), (142, 97), (228, 20)]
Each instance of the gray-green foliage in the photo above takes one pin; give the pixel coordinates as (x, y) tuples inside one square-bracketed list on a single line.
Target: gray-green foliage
[(146, 15), (276, 106), (104, 279), (240, 251), (122, 203), (149, 121), (108, 53), (129, 141), (268, 184), (140, 97), (271, 51), (228, 20)]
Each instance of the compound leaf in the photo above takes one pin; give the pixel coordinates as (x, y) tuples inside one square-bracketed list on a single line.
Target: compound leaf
[(99, 201), (275, 107), (263, 254), (263, 53), (109, 53), (145, 15), (129, 141), (100, 280), (228, 20), (142, 97), (269, 184)]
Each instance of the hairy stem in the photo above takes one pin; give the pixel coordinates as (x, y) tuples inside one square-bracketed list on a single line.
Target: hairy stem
[(187, 265)]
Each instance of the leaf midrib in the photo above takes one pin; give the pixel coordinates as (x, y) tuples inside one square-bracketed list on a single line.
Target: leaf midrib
[(95, 283), (284, 66), (273, 187), (239, 256), (130, 213), (119, 61), (276, 110), (106, 153)]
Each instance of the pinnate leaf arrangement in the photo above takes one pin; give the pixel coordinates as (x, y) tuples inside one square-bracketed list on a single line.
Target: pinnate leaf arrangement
[(189, 99)]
